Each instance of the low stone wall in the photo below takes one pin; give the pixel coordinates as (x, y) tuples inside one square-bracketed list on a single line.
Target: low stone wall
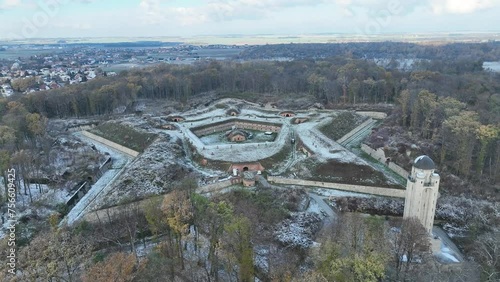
[(105, 166), (81, 127), (111, 144), (355, 130), (379, 155), (374, 115), (380, 191), (399, 170), (214, 187), (104, 214)]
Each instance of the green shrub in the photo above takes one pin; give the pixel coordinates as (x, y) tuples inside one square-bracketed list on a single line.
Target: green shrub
[(98, 257), (62, 209)]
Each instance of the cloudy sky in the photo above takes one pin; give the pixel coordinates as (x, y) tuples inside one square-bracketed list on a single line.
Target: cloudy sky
[(109, 18)]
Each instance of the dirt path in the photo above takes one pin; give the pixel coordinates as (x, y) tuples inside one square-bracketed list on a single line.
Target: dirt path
[(329, 214)]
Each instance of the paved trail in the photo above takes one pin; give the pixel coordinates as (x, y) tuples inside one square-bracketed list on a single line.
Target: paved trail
[(330, 217)]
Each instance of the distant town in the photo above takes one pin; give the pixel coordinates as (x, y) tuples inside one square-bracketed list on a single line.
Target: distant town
[(31, 68)]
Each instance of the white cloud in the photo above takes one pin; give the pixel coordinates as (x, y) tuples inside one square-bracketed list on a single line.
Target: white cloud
[(223, 15), (151, 12), (70, 25), (403, 7), (227, 10), (9, 4), (169, 17), (149, 5), (218, 10), (462, 6), (35, 4)]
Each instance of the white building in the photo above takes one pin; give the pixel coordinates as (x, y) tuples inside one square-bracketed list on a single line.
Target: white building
[(422, 191), (15, 66), (6, 90), (91, 74)]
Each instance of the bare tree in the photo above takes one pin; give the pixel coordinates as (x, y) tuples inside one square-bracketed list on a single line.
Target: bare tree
[(411, 241), (178, 210), (55, 255), (119, 267), (355, 250), (120, 227), (487, 252)]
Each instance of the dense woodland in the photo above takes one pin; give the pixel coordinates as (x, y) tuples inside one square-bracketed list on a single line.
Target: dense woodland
[(230, 238), (446, 103), (376, 50)]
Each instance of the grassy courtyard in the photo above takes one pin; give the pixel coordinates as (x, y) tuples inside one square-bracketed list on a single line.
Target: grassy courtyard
[(124, 135)]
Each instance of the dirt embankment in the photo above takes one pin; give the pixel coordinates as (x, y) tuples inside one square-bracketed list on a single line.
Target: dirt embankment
[(345, 173)]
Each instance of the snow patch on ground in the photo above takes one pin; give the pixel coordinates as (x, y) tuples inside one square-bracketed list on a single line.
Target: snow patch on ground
[(314, 208), (24, 206), (261, 258), (299, 230), (448, 257), (338, 193), (23, 198)]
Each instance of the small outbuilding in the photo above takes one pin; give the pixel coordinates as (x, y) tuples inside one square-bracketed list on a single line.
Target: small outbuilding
[(287, 114), (233, 112), (238, 135), (299, 120), (248, 178), (176, 119), (169, 126)]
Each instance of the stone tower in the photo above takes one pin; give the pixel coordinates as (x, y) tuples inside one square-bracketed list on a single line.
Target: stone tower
[(422, 192)]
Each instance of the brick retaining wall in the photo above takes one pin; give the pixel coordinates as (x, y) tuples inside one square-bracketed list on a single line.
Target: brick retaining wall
[(238, 123)]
